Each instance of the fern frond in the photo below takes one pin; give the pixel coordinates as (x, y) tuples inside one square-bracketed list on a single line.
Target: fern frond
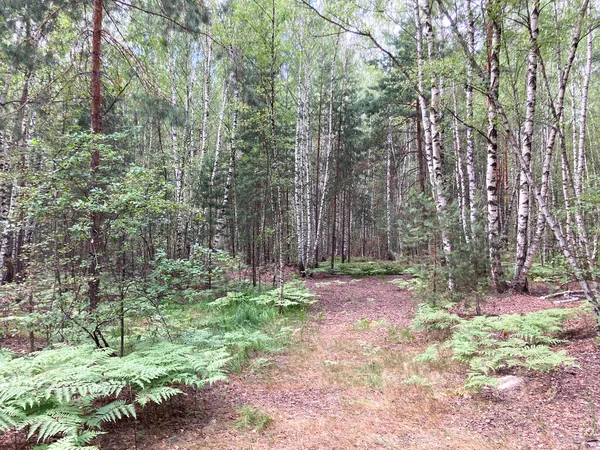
[(156, 395), (111, 413)]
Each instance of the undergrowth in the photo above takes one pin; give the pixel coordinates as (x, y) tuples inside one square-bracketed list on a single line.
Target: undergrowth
[(62, 396), (490, 344), (247, 323), (253, 418), (65, 395), (360, 268)]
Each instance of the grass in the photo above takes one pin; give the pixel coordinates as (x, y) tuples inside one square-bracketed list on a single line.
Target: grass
[(252, 418), (247, 327), (363, 324), (369, 391)]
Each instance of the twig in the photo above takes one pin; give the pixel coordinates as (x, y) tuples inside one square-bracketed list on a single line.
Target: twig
[(562, 294)]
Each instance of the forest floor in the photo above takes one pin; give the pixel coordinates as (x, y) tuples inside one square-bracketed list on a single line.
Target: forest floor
[(349, 381)]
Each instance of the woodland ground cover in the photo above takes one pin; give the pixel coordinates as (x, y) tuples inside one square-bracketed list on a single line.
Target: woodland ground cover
[(169, 169), (247, 370), (353, 379), (66, 392)]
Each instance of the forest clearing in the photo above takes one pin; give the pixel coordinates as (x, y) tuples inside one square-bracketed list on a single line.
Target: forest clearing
[(350, 381), (299, 224)]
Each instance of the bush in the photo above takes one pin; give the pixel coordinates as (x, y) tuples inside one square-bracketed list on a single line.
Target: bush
[(246, 322)]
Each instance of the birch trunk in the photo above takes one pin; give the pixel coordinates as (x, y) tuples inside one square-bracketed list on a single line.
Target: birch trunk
[(470, 148), (206, 112), (276, 161), (388, 192), (177, 162), (5, 186), (526, 142), (307, 171), (298, 173), (215, 168), (325, 188), (221, 219), (557, 110), (580, 160), (494, 31), (460, 176), (437, 151), (421, 94)]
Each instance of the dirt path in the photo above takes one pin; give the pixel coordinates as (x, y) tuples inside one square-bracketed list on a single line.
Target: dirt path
[(343, 384), (349, 381)]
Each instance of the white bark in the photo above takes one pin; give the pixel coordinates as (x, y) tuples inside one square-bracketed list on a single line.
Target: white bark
[(298, 172), (437, 150), (423, 106), (221, 219), (557, 110), (305, 154), (497, 273), (215, 168), (325, 187), (460, 176), (206, 113), (580, 160), (526, 142), (388, 191), (177, 162), (470, 150), (5, 185)]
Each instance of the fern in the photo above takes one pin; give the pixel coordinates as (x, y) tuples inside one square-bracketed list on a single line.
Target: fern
[(429, 318), (111, 413), (491, 344), (157, 394), (54, 393), (294, 294)]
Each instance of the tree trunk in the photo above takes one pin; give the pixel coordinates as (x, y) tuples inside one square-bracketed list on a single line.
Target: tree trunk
[(388, 192), (470, 148), (277, 160), (437, 151), (497, 273), (96, 124), (526, 142), (299, 191), (206, 113), (221, 219), (460, 177), (325, 189)]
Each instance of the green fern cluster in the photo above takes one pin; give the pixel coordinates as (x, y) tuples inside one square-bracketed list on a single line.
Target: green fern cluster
[(294, 294), (55, 394), (369, 268), (430, 318), (490, 344)]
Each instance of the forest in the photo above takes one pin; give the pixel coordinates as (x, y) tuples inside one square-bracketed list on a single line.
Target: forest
[(299, 224)]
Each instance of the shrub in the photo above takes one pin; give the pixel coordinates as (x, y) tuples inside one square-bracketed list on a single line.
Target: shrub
[(365, 268), (491, 344)]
